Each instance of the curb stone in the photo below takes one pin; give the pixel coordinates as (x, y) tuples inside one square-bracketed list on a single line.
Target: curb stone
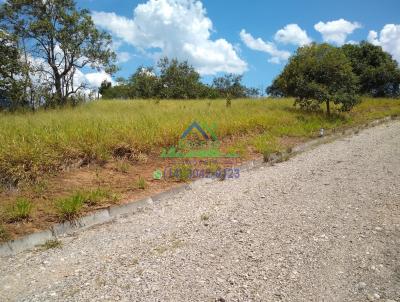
[(31, 241), (171, 192)]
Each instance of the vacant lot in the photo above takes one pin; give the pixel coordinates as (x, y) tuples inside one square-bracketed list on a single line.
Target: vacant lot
[(323, 226), (107, 150), (33, 144)]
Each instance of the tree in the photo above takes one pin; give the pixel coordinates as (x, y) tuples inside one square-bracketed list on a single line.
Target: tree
[(178, 80), (11, 72), (316, 74), (378, 72), (252, 92), (104, 86), (60, 39), (144, 83), (230, 86)]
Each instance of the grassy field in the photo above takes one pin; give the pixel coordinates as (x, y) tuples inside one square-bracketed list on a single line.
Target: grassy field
[(37, 144), (40, 152)]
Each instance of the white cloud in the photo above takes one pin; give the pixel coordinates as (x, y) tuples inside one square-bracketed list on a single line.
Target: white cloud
[(388, 39), (94, 79), (178, 28), (277, 56), (292, 34), (336, 31), (123, 57)]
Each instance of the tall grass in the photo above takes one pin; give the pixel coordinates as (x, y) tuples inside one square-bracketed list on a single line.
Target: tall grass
[(35, 144)]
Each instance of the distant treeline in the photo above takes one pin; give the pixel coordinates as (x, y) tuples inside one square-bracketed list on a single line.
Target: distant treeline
[(175, 80), (45, 45)]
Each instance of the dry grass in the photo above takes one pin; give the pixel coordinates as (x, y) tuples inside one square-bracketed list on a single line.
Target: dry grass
[(132, 133), (41, 143)]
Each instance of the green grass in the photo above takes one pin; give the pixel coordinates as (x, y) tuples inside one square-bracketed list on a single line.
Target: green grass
[(95, 197), (20, 210), (141, 183), (182, 172), (70, 207), (38, 144), (122, 166), (4, 234), (51, 244)]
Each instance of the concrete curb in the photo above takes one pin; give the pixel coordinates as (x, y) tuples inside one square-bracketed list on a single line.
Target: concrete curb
[(106, 215)]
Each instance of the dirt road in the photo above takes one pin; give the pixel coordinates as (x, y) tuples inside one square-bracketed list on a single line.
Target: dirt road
[(323, 226)]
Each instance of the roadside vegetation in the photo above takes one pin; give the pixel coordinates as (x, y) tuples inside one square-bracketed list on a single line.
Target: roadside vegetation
[(61, 145), (43, 143)]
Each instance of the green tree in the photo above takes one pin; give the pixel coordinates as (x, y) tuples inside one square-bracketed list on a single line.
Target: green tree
[(317, 74), (144, 83), (104, 87), (62, 38), (11, 72), (378, 72), (178, 80), (230, 86)]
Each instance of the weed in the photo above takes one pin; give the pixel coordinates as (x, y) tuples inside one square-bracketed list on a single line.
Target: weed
[(134, 262), (95, 197), (141, 183), (21, 210), (140, 157), (221, 174), (69, 208), (204, 217), (174, 244), (282, 158), (213, 168), (40, 187), (122, 166), (182, 172), (51, 244), (4, 234), (161, 249), (114, 197)]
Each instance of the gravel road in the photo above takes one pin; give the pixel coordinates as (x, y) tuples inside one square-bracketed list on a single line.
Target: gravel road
[(323, 226)]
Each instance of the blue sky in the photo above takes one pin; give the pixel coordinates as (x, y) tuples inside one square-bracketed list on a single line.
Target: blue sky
[(221, 36)]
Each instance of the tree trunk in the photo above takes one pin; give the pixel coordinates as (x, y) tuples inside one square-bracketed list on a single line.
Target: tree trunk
[(328, 108), (59, 95)]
